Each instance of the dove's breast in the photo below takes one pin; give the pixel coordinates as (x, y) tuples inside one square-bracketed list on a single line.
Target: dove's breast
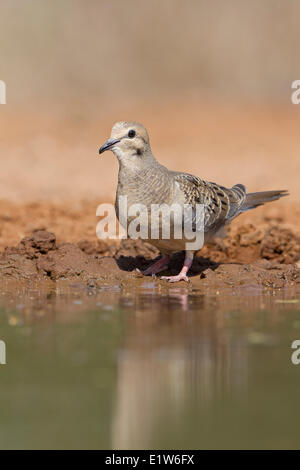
[(149, 190)]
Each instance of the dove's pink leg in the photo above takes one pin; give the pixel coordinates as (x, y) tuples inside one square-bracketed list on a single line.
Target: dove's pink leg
[(160, 265), (182, 276)]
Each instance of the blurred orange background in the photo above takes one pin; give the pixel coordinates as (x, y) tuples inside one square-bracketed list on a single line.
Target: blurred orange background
[(211, 81)]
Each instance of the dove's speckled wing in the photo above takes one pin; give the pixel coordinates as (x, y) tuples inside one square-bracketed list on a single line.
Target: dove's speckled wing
[(221, 204)]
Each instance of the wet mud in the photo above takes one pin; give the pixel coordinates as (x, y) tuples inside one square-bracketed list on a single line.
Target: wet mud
[(249, 255)]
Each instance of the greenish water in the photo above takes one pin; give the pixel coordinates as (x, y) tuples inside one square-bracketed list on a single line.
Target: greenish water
[(140, 367)]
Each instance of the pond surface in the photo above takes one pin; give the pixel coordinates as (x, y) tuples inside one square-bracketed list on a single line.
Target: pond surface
[(141, 365)]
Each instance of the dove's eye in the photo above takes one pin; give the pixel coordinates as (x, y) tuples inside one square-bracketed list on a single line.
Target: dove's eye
[(131, 133)]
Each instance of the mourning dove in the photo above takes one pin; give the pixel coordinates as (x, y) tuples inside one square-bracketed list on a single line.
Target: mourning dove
[(142, 179)]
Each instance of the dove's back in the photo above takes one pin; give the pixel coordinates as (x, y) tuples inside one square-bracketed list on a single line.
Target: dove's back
[(221, 204)]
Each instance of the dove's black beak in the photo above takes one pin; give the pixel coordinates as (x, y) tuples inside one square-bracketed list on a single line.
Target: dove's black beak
[(108, 145)]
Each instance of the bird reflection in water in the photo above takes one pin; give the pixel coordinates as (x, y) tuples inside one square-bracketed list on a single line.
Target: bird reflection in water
[(176, 356)]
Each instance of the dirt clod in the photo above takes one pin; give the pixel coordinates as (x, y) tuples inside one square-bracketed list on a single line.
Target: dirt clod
[(249, 255)]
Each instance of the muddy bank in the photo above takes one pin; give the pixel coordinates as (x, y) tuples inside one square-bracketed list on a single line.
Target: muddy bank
[(248, 256)]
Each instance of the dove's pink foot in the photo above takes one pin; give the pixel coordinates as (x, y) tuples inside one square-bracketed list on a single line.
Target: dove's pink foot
[(182, 275), (155, 268)]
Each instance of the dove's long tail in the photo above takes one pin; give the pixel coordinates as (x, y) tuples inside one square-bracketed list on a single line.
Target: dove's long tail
[(253, 200)]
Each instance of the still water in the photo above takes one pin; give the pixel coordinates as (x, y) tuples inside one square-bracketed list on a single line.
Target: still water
[(141, 365)]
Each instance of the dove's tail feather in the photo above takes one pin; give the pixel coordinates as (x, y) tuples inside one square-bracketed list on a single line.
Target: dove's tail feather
[(253, 200)]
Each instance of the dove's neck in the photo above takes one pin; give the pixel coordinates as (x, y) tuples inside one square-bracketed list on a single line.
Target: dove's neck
[(131, 164), (143, 180)]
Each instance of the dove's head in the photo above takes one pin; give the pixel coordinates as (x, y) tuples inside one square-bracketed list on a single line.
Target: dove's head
[(129, 141)]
